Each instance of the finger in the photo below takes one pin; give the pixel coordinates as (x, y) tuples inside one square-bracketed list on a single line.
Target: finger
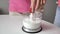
[(44, 2), (37, 4), (41, 4), (33, 5)]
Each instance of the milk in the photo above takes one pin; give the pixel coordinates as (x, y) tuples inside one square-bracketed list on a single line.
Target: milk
[(32, 24)]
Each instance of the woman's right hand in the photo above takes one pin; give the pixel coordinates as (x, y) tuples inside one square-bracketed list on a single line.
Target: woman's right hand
[(37, 4)]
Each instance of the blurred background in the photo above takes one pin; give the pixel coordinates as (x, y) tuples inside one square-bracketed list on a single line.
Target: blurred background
[(49, 13)]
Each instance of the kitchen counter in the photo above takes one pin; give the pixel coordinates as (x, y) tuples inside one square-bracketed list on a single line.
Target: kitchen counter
[(13, 25)]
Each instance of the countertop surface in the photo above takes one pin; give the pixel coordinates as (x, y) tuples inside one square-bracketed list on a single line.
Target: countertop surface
[(13, 25)]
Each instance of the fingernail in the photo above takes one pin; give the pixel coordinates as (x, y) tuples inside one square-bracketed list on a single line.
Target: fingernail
[(30, 10)]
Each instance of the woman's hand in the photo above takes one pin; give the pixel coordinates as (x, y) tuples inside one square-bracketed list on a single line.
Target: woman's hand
[(37, 4)]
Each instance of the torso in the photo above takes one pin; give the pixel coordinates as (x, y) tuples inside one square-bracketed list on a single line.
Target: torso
[(19, 5)]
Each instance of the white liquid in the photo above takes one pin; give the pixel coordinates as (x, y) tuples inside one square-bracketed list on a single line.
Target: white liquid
[(32, 24)]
